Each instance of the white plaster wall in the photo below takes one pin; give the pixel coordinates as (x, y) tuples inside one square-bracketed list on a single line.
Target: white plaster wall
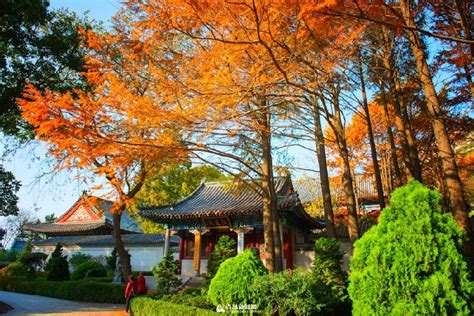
[(187, 267), (303, 258), (142, 258)]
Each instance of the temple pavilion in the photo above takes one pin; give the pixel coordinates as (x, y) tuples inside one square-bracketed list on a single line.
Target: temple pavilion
[(234, 209)]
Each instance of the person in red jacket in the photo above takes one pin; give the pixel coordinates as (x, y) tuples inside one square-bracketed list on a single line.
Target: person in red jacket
[(129, 292), (141, 284)]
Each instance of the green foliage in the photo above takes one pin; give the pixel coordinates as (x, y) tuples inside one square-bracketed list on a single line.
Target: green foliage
[(51, 218), (79, 258), (35, 260), (84, 290), (194, 299), (165, 274), (233, 282), (57, 266), (327, 268), (145, 306), (112, 260), (9, 187), (8, 255), (290, 292), (224, 249), (18, 269), (321, 291), (84, 268), (410, 262), (169, 183), (38, 46), (96, 273)]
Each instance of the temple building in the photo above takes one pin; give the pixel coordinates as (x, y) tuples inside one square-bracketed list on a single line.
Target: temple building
[(234, 209), (88, 229), (83, 218)]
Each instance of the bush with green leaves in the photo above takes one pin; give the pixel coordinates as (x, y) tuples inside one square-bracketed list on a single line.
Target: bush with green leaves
[(327, 269), (410, 263), (233, 282), (83, 290), (57, 266), (224, 249), (79, 258), (8, 255), (165, 274), (18, 269), (144, 306), (295, 292), (82, 270)]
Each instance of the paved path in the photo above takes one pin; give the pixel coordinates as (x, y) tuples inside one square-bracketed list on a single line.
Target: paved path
[(26, 304)]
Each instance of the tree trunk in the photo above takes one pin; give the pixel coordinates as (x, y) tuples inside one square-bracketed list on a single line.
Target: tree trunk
[(412, 148), (347, 180), (409, 152), (323, 172), (121, 251), (432, 108), (373, 149), (391, 139), (270, 212)]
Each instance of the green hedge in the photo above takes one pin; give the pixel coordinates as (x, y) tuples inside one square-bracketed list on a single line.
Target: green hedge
[(144, 306), (84, 290)]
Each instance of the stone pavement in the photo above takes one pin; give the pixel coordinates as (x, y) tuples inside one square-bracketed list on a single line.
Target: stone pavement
[(26, 304)]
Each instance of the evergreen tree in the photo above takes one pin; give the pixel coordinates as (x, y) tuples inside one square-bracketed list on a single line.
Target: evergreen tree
[(224, 249), (410, 263), (57, 266), (165, 274)]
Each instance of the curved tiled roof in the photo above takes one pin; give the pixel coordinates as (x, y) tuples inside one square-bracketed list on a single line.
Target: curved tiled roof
[(309, 189), (106, 240), (221, 199), (63, 228)]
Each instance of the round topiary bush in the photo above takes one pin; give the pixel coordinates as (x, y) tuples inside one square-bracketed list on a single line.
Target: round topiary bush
[(410, 263), (233, 281), (83, 269)]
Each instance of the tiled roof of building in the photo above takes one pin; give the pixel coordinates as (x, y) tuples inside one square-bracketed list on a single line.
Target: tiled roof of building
[(106, 240), (103, 225), (309, 189), (220, 199)]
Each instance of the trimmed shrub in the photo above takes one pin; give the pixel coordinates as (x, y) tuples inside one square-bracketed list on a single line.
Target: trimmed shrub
[(96, 273), (195, 299), (410, 263), (83, 269), (145, 306), (295, 292), (79, 258), (84, 290), (165, 274), (224, 249), (233, 282), (57, 265)]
